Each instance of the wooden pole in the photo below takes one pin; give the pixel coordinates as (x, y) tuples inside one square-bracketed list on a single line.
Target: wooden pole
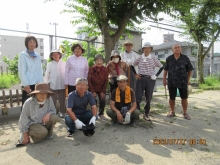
[(11, 101)]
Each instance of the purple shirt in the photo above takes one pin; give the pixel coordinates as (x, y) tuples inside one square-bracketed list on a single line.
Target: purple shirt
[(76, 67)]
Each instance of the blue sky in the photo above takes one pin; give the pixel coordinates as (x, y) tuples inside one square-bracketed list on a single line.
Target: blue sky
[(14, 14)]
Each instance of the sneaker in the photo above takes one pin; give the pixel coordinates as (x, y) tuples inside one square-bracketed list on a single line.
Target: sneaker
[(146, 117), (102, 117), (49, 137), (69, 133), (62, 115)]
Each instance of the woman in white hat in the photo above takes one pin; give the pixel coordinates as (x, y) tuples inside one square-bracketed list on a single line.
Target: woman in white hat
[(129, 56), (54, 76), (38, 116), (146, 77)]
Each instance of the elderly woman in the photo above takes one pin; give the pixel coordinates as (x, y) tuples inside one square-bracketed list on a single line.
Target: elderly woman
[(54, 75), (146, 77), (38, 116), (98, 80), (29, 67), (115, 68), (129, 56), (76, 66)]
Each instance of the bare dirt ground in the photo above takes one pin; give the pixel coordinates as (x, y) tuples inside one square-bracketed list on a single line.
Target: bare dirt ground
[(123, 144)]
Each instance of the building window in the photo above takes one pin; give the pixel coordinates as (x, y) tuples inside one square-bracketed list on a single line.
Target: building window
[(156, 53), (161, 56), (42, 54), (165, 51)]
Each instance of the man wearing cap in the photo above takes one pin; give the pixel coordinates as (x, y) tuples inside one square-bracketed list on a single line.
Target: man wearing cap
[(77, 114), (129, 56), (76, 66), (123, 103), (54, 76), (98, 80), (115, 68), (179, 71), (38, 117), (146, 77)]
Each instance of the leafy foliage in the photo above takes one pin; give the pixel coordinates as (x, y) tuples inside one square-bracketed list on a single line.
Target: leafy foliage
[(12, 65), (7, 80)]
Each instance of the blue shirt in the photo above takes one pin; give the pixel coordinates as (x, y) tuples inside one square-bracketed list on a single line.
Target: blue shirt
[(79, 104), (29, 69)]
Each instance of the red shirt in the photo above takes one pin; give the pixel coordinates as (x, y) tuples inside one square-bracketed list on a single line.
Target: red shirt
[(98, 79)]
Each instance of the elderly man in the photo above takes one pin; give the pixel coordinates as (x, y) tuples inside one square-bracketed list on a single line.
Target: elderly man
[(146, 77), (77, 114), (123, 103), (179, 71)]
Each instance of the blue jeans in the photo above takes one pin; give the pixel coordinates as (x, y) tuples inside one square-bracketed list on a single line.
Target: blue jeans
[(85, 118)]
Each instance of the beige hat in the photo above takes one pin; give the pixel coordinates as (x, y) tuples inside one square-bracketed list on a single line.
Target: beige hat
[(53, 51), (41, 88), (147, 44), (115, 53), (122, 77), (99, 56), (77, 44), (128, 42)]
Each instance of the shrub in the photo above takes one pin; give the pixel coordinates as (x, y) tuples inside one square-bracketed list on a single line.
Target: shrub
[(7, 80)]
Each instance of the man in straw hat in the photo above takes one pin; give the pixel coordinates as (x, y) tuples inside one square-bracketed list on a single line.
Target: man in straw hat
[(38, 116)]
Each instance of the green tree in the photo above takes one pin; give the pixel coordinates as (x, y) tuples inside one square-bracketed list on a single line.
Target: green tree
[(12, 65), (201, 20)]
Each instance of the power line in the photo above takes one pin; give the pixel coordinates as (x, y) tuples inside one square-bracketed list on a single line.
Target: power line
[(166, 29)]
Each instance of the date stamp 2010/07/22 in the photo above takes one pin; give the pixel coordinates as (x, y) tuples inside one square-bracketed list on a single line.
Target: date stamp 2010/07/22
[(180, 141)]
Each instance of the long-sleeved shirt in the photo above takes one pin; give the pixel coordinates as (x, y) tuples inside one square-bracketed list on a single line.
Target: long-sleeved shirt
[(76, 67), (55, 74), (29, 69), (31, 113), (129, 57)]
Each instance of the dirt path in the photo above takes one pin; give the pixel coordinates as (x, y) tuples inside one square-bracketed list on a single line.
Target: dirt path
[(123, 144)]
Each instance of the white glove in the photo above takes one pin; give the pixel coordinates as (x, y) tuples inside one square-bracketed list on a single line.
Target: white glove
[(127, 117), (92, 120), (153, 77), (129, 62), (79, 124)]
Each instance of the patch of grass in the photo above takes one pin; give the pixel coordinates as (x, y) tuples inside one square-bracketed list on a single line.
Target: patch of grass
[(195, 107), (211, 83), (205, 149), (213, 111), (158, 108), (7, 80)]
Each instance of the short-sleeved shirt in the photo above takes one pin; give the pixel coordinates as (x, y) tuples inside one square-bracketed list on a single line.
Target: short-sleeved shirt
[(122, 103), (178, 71), (79, 104)]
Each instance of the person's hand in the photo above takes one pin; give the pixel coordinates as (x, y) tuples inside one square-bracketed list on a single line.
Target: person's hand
[(153, 77), (26, 139), (119, 116), (27, 89), (102, 95), (164, 82), (127, 117), (46, 118), (137, 76), (94, 94), (79, 124), (92, 120)]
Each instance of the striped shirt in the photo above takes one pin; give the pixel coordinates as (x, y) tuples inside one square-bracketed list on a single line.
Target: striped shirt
[(76, 67), (146, 65)]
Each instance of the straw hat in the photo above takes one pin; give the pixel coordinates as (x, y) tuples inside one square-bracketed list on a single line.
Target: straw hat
[(41, 88), (128, 42)]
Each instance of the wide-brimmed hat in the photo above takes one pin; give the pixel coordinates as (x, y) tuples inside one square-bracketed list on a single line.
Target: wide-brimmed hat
[(115, 53), (99, 56), (122, 77), (78, 44), (88, 129), (41, 88), (147, 44), (55, 51), (128, 42)]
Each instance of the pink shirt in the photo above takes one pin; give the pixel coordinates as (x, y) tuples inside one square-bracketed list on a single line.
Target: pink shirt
[(76, 67)]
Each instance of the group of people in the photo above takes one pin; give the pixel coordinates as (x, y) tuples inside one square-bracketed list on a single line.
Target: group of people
[(88, 85)]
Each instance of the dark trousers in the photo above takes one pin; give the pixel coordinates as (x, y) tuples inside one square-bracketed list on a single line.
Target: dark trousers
[(101, 103), (144, 84), (85, 118), (113, 86), (71, 88), (25, 94)]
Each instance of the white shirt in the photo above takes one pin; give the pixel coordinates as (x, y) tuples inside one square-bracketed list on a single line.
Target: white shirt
[(129, 57), (55, 74)]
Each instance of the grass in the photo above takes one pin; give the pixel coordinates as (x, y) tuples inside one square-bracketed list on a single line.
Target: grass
[(7, 80), (211, 83)]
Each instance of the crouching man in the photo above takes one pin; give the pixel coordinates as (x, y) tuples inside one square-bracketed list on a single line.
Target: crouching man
[(123, 103), (38, 116), (77, 114)]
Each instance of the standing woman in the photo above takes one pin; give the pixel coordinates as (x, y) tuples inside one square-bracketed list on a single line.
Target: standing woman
[(97, 81), (76, 67), (146, 77), (29, 68), (54, 75), (129, 56)]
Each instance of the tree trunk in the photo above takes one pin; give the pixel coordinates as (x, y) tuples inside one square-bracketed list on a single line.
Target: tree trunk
[(200, 63)]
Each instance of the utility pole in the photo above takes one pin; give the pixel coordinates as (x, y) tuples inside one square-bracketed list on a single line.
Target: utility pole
[(27, 27), (55, 25)]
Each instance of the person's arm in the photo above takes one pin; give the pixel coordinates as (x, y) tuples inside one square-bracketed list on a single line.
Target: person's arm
[(118, 113), (133, 69), (165, 77), (94, 110), (159, 71), (41, 72), (71, 114), (189, 76), (47, 74), (106, 81), (22, 70), (66, 82), (86, 69), (91, 89), (133, 107)]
